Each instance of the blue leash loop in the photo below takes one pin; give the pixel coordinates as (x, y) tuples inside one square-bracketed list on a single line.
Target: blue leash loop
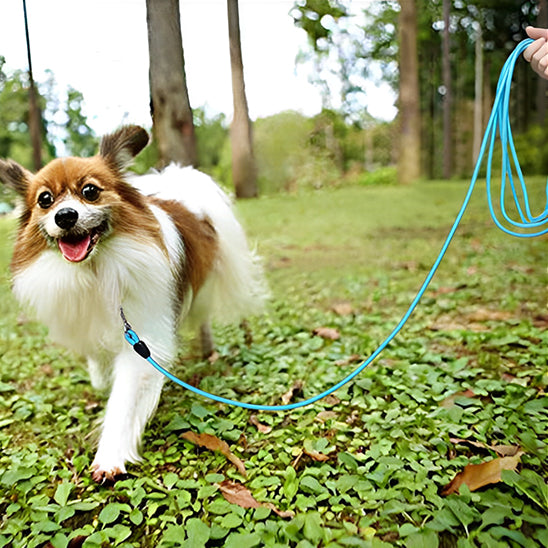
[(528, 226)]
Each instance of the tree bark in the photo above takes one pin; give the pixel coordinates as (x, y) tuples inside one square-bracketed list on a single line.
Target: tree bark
[(409, 160), (542, 84), (478, 98), (244, 170), (35, 115), (448, 97), (173, 126)]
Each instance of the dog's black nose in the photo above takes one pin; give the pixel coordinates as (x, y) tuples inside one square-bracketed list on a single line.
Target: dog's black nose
[(66, 217)]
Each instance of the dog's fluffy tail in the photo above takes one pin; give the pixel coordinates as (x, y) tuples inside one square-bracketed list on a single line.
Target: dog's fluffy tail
[(236, 286)]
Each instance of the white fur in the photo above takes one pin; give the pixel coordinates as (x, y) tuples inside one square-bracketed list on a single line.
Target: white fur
[(236, 286), (89, 216), (80, 303)]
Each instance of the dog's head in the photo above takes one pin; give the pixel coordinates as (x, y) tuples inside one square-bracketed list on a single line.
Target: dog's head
[(72, 203)]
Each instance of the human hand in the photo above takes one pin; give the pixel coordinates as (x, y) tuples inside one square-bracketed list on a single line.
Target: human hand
[(537, 52)]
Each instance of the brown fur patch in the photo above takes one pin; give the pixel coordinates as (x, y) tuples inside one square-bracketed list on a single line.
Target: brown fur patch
[(200, 244)]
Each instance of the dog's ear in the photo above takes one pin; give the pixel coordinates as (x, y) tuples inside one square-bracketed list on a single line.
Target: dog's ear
[(15, 176), (119, 148)]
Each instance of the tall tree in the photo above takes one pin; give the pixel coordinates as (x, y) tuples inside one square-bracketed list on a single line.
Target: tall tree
[(35, 115), (542, 84), (244, 170), (409, 161), (478, 99), (448, 92), (173, 125)]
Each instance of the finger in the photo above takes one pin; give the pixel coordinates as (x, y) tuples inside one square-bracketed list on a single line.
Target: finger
[(533, 48), (539, 62), (535, 33), (540, 55)]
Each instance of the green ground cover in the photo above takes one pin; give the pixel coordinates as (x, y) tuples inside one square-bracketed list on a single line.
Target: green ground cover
[(464, 383)]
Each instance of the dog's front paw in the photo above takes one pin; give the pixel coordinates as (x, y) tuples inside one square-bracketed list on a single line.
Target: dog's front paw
[(103, 474)]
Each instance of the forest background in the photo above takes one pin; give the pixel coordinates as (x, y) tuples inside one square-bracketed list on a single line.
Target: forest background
[(460, 50)]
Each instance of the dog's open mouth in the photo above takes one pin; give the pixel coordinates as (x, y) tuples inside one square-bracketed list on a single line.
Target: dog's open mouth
[(77, 247)]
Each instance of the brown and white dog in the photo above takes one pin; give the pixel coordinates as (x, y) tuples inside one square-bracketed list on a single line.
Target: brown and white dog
[(164, 246)]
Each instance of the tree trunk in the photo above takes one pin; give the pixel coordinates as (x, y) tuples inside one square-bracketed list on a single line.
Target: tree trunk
[(173, 126), (478, 99), (35, 125), (542, 84), (35, 115), (448, 97), (409, 161), (244, 171)]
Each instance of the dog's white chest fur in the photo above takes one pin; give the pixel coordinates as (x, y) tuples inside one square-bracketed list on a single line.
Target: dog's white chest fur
[(80, 303)]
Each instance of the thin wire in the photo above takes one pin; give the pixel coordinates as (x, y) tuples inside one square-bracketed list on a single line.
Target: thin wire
[(499, 119)]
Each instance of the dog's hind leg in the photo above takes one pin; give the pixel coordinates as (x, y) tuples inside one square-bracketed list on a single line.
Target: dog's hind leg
[(206, 340), (99, 371)]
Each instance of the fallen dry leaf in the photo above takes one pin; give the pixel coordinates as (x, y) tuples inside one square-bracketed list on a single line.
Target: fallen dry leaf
[(501, 450), (450, 400), (315, 455), (327, 333), (506, 450), (507, 377), (288, 396), (476, 245), (47, 370), (76, 542), (447, 323), (213, 443), (331, 400), (343, 308), (408, 265), (479, 475), (351, 359), (236, 493), (541, 320), (485, 314), (444, 291), (324, 416), (264, 428)]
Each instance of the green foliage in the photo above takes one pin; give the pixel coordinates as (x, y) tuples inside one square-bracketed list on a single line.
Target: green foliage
[(211, 136), (281, 148), (212, 139), (388, 436), (147, 158), (532, 150), (295, 152), (14, 115), (382, 176), (64, 125), (365, 42), (309, 15), (80, 139)]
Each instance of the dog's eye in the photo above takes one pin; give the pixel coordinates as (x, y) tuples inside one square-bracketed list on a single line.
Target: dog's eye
[(45, 199), (91, 192)]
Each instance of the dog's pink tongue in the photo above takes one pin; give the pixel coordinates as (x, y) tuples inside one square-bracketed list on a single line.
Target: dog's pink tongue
[(75, 251)]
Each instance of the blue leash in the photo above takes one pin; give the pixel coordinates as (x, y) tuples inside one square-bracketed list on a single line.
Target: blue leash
[(528, 226)]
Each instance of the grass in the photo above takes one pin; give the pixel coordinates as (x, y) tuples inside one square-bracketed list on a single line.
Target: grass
[(363, 468)]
